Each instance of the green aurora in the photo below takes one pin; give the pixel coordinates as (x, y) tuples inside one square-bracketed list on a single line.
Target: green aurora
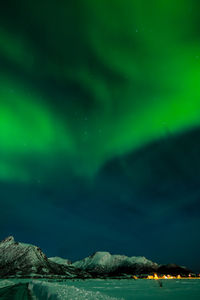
[(90, 80)]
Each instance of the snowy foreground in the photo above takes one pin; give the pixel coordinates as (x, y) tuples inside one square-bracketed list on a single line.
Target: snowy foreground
[(99, 289)]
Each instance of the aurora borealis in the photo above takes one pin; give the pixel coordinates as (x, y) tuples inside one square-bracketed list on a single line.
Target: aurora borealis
[(100, 126)]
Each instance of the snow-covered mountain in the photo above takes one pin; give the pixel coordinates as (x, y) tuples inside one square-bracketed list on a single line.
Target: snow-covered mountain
[(105, 263), (26, 260), (60, 260)]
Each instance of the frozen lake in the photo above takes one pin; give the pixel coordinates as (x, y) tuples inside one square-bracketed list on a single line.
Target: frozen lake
[(101, 289)]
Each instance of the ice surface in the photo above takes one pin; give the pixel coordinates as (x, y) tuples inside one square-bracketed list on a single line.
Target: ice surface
[(56, 291), (143, 289), (4, 283), (99, 289)]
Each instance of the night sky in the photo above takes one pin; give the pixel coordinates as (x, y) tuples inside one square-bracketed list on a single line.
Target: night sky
[(100, 127)]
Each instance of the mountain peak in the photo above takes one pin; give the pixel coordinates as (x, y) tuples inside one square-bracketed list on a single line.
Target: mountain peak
[(9, 239), (60, 260), (100, 253)]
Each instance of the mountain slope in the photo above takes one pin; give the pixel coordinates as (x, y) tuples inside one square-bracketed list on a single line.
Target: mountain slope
[(104, 262), (26, 260)]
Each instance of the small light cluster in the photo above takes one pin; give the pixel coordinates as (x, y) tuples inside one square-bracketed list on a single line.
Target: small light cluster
[(156, 277)]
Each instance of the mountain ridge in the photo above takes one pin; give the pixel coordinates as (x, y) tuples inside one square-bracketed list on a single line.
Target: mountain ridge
[(20, 259)]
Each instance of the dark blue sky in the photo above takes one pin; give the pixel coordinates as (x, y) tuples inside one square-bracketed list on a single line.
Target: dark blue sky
[(143, 203)]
